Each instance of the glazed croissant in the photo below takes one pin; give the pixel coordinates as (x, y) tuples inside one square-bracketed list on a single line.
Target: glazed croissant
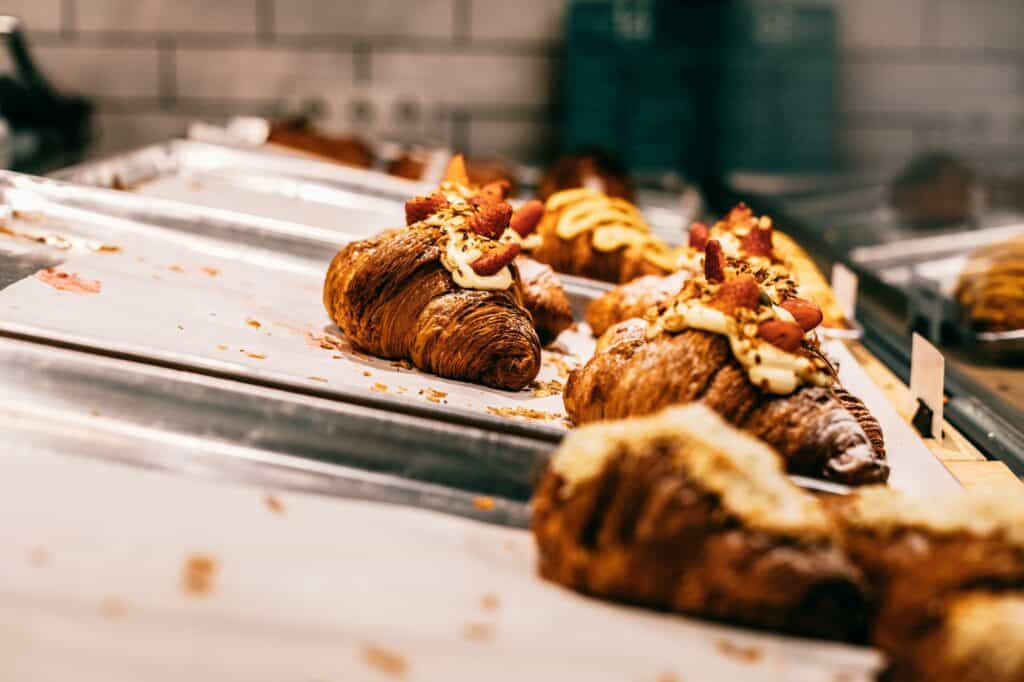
[(444, 293), (586, 233)]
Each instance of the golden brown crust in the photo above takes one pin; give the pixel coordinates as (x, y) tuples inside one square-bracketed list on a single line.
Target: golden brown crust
[(632, 300), (648, 528), (544, 297), (811, 428), (991, 287), (922, 556), (392, 298)]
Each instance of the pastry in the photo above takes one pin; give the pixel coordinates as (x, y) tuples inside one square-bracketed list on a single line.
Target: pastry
[(585, 232), (681, 511), (299, 135), (946, 573), (593, 169), (743, 236), (444, 293), (990, 289), (544, 297), (740, 341)]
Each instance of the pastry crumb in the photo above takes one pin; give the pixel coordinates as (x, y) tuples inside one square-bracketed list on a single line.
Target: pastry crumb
[(221, 346), (68, 281), (316, 378), (274, 504), (255, 324), (212, 272), (543, 389), (38, 557), (483, 503), (385, 660), (478, 632), (325, 341), (112, 608), (366, 374), (561, 366), (524, 412), (490, 602), (181, 328), (176, 268), (257, 356), (99, 247), (379, 387), (197, 575), (746, 654), (433, 395)]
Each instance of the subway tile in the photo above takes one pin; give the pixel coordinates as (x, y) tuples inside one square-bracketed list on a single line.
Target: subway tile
[(166, 16), (118, 132), (262, 73), (528, 20), (423, 19), (925, 86), (497, 80), (978, 24), (100, 71), (527, 141), (881, 23), (875, 147), (36, 15)]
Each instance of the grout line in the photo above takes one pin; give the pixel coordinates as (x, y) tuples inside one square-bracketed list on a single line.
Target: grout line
[(265, 20), (68, 19), (168, 77), (362, 63), (462, 22)]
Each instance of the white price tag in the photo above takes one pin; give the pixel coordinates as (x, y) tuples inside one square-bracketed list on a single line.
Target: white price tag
[(844, 286), (927, 378)]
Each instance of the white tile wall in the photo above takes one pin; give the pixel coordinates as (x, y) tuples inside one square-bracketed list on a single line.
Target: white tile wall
[(538, 21), (120, 132), (881, 23), (101, 71), (262, 73), (521, 81), (526, 140), (927, 87), (37, 15), (915, 72), (168, 16), (984, 24), (365, 18)]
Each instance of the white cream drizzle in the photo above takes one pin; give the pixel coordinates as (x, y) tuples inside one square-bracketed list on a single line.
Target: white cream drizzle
[(768, 367)]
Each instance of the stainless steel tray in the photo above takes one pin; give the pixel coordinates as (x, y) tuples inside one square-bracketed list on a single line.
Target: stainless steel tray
[(927, 269), (69, 403), (234, 296), (239, 297), (257, 182)]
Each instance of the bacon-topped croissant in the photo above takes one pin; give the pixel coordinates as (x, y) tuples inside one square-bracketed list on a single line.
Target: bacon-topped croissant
[(743, 236), (738, 340), (445, 292)]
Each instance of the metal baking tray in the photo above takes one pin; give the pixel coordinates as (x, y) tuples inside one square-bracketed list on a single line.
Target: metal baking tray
[(927, 269), (59, 401), (257, 182), (238, 297)]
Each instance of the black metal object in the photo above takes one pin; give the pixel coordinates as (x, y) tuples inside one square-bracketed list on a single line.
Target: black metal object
[(56, 127)]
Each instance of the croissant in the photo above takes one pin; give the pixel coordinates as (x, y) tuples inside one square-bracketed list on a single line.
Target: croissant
[(444, 293), (584, 232), (751, 361), (544, 297), (633, 299), (743, 237), (681, 511), (990, 289), (948, 575)]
